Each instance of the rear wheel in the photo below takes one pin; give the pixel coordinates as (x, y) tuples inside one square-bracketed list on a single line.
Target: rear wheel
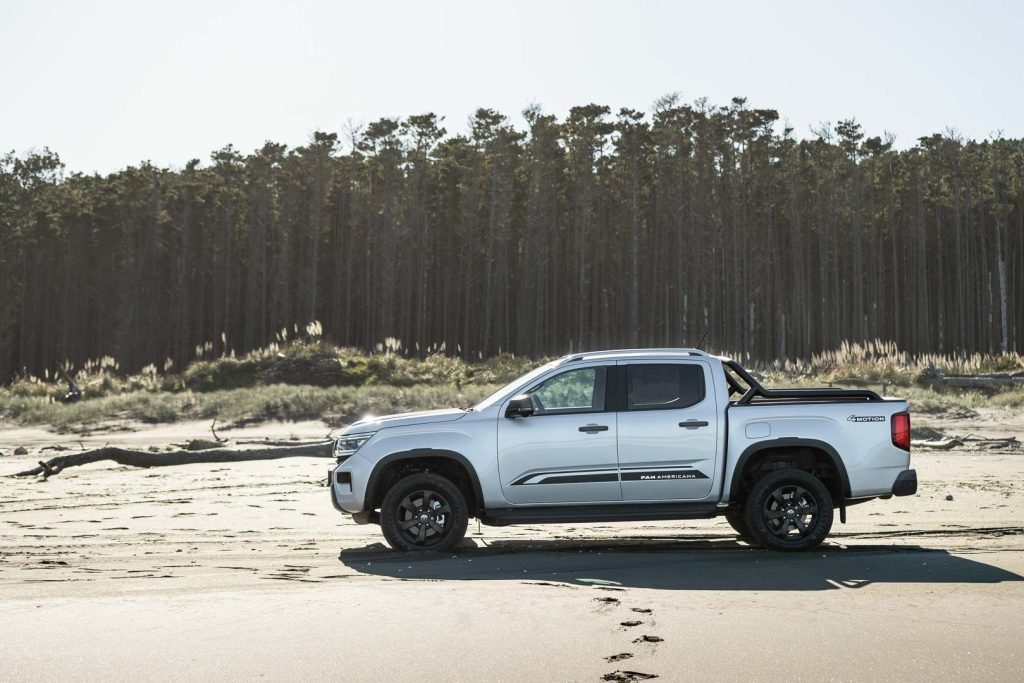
[(423, 512), (789, 510), (737, 519)]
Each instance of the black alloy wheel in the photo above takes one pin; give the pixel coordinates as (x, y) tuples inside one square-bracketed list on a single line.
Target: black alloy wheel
[(424, 517), (424, 512), (789, 510)]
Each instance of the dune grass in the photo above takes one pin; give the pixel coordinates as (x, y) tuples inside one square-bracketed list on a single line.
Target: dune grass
[(881, 361), (342, 405), (924, 399), (334, 405), (310, 379)]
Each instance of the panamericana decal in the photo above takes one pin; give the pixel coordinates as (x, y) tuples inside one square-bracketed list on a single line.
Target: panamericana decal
[(661, 474)]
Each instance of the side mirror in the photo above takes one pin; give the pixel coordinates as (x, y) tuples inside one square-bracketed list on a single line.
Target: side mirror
[(520, 406)]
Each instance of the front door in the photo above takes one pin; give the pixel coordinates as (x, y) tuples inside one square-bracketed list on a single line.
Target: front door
[(566, 452), (668, 428)]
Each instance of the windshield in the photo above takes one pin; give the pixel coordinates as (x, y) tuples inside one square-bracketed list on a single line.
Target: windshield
[(520, 381)]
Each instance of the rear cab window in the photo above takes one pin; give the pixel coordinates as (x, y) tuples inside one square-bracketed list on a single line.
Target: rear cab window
[(664, 386)]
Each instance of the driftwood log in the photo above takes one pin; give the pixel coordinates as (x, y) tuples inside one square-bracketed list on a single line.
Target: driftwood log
[(132, 458), (982, 381), (992, 381), (968, 442)]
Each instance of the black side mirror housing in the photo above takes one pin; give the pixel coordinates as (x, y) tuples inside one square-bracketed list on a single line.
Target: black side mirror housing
[(520, 406)]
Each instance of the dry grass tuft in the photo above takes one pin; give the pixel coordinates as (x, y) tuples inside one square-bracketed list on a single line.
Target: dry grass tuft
[(303, 377)]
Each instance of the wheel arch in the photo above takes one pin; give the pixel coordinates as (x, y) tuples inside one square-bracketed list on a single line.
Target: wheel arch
[(755, 452), (425, 457)]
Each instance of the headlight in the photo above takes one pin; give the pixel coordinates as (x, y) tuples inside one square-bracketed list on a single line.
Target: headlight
[(349, 444)]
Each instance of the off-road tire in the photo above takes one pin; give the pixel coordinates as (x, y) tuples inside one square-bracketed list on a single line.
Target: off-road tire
[(402, 514), (779, 515), (737, 519)]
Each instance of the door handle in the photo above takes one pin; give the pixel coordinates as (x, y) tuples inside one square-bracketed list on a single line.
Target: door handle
[(594, 429), (694, 424)]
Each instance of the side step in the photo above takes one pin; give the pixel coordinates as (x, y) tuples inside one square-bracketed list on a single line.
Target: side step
[(609, 512)]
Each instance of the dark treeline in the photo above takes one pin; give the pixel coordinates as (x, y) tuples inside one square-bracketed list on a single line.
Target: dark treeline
[(603, 229)]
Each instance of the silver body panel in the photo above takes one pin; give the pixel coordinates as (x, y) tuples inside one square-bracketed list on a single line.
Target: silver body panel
[(547, 459), (525, 461), (659, 459)]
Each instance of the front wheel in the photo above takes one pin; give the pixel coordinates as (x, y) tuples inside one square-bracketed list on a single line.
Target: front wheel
[(423, 512), (789, 510)]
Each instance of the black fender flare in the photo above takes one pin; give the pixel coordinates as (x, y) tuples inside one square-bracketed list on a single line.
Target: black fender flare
[(791, 442), (416, 453)]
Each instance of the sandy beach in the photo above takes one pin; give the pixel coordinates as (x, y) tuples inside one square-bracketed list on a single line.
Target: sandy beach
[(244, 571)]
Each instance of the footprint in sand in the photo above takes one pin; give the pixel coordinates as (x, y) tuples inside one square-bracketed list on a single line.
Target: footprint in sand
[(619, 657), (626, 676), (649, 639), (641, 610), (630, 624)]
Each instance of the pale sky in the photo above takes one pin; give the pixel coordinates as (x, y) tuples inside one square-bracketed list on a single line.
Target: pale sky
[(108, 84)]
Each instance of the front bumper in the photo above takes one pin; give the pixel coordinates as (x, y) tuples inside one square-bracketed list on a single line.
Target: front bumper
[(357, 517), (334, 493), (905, 484)]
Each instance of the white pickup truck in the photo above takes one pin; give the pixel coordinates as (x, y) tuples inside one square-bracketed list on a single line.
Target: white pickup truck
[(644, 434)]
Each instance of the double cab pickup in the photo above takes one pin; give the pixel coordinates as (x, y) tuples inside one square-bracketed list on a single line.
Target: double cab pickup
[(628, 435)]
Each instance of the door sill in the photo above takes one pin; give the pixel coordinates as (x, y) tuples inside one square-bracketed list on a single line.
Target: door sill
[(621, 512)]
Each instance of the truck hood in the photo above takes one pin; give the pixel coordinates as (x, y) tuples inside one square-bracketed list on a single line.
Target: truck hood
[(373, 423)]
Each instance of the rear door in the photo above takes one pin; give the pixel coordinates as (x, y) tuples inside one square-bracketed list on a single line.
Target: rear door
[(566, 452), (668, 430)]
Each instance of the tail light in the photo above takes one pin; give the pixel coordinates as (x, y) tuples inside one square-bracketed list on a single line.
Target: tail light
[(901, 430)]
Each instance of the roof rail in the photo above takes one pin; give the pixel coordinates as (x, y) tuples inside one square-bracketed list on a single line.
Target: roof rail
[(580, 356)]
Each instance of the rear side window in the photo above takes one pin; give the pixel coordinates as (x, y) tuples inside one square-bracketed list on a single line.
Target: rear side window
[(664, 387)]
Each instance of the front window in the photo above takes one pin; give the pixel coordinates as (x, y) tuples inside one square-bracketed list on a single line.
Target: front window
[(576, 391), (515, 384)]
